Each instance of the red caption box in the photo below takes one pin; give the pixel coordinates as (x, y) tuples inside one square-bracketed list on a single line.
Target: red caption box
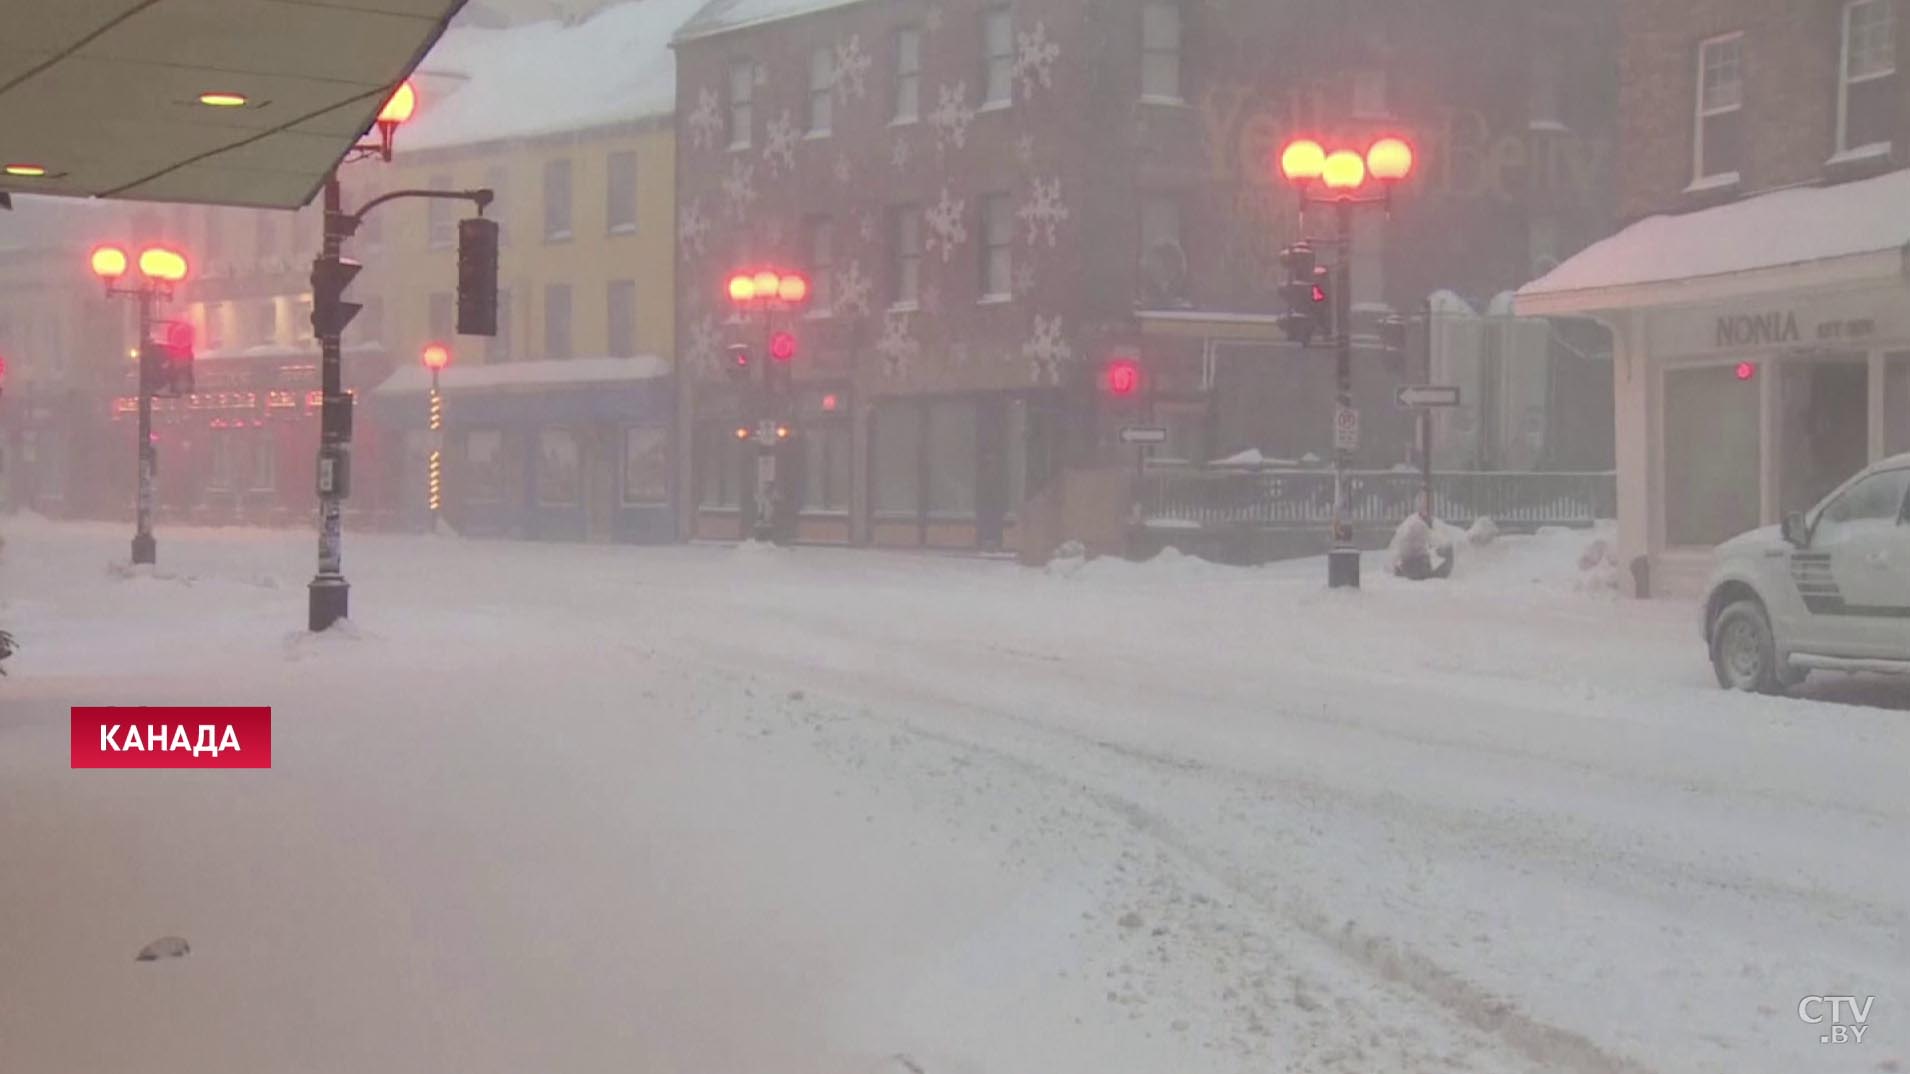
[(211, 736)]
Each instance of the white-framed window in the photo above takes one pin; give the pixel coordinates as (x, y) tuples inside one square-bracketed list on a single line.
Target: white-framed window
[(646, 465), (223, 470), (742, 90), (908, 74), (822, 91), (1718, 132), (557, 338), (620, 192), (265, 460), (905, 252), (559, 468), (557, 199), (998, 57), (498, 347), (620, 315), (1161, 51), (1867, 83), (440, 230), (482, 479), (822, 264), (997, 248), (498, 181)]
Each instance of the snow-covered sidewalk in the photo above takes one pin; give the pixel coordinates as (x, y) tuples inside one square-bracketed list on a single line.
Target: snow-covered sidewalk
[(705, 809)]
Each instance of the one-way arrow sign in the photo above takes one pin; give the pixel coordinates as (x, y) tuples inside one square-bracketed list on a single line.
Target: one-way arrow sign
[(1143, 434), (1414, 395)]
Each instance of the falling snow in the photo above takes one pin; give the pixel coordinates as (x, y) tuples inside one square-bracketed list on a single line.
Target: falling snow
[(898, 346), (1043, 210), (852, 69), (1046, 350), (947, 225), (1034, 60), (739, 189), (951, 116), (706, 121), (779, 144), (706, 345)]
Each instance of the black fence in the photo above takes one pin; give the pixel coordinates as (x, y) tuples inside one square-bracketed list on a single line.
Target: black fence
[(1195, 498)]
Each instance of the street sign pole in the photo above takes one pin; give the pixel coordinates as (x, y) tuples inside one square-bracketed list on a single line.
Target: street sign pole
[(1422, 399)]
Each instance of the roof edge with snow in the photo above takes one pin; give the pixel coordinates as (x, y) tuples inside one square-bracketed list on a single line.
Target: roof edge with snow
[(729, 16)]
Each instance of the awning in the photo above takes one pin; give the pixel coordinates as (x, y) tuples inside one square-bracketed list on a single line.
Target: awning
[(1802, 238), (104, 95)]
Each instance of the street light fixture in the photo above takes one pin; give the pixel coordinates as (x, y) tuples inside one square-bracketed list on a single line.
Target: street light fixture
[(161, 268), (436, 356), (767, 291), (1344, 172)]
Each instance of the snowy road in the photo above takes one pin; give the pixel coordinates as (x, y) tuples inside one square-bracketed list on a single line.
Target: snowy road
[(710, 810)]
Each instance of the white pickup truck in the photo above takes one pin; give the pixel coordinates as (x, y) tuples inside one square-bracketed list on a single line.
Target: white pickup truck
[(1827, 590)]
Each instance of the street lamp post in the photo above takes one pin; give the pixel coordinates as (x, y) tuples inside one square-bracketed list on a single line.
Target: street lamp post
[(436, 356), (767, 291), (1305, 163), (161, 269), (330, 594)]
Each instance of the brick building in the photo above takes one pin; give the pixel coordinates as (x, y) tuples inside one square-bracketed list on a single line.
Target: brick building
[(1757, 299), (995, 197)]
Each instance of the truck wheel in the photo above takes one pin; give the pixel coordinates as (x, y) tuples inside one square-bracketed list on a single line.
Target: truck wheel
[(1742, 652)]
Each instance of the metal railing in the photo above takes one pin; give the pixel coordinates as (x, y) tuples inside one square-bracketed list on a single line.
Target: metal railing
[(1202, 497)]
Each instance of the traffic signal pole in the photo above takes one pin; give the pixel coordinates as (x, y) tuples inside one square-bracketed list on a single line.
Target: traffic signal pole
[(1343, 560), (145, 546)]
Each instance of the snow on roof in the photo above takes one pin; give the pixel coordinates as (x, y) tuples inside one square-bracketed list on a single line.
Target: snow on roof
[(722, 16), (546, 77), (549, 373), (1775, 230)]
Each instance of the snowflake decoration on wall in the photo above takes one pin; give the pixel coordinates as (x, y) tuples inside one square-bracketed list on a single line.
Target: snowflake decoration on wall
[(852, 69), (951, 116), (1043, 210), (866, 225), (739, 188), (947, 226), (1025, 150), (1034, 60), (898, 346), (705, 348), (932, 21), (1046, 350), (845, 169), (932, 299), (706, 120), (1024, 279), (852, 291), (692, 228), (899, 153), (779, 144)]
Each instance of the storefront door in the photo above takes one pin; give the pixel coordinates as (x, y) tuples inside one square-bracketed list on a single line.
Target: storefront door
[(1823, 432)]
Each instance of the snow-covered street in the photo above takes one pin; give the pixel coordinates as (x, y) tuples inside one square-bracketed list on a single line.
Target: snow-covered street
[(714, 810)]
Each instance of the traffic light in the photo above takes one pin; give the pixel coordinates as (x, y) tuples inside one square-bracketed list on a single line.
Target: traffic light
[(1122, 377), (3, 376), (165, 364), (330, 312), (1309, 309), (740, 362), (477, 277), (782, 347)]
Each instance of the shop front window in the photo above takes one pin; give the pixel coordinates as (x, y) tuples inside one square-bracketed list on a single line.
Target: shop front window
[(483, 476), (1896, 403), (559, 473), (646, 465), (717, 481), (896, 457), (1712, 447), (1823, 427), (825, 485), (952, 458)]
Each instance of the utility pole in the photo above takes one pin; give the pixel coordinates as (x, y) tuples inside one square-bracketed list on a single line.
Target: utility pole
[(145, 546), (1343, 559), (330, 593), (160, 269)]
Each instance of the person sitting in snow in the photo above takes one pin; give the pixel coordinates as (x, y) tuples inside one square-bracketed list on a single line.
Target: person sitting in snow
[(1416, 555)]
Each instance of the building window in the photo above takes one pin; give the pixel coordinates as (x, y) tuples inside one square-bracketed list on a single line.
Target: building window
[(483, 477), (265, 323), (998, 70), (440, 232), (742, 88), (498, 347), (211, 331), (718, 457), (620, 192), (825, 466), (822, 89), (557, 320), (1867, 91), (1711, 456), (1160, 51), (441, 317), (620, 330), (1896, 404), (223, 467), (905, 249), (896, 455), (497, 179), (1163, 258), (997, 248), (646, 465), (822, 264), (557, 199), (908, 74), (1719, 128), (559, 469), (265, 461), (1372, 96), (953, 458)]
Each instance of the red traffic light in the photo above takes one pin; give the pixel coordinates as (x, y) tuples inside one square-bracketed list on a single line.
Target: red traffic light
[(782, 346), (179, 338), (1319, 294), (1123, 377)]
